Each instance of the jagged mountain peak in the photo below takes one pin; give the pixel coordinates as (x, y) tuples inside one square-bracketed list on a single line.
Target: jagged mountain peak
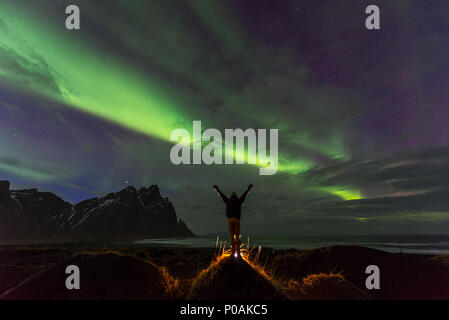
[(128, 213)]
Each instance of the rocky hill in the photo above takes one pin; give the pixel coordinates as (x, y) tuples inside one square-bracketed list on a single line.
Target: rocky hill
[(33, 215)]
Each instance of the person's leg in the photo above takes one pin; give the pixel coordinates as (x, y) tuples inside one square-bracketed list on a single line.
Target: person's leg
[(231, 235), (237, 235)]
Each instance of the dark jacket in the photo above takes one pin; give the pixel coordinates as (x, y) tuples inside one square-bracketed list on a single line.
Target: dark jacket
[(233, 204)]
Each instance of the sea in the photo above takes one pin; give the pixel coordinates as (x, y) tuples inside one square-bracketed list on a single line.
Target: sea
[(411, 244)]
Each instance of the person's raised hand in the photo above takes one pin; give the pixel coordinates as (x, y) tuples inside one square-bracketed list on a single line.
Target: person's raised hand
[(215, 186), (250, 186)]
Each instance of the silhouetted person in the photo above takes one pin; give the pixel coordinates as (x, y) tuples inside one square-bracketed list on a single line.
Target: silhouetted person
[(233, 212)]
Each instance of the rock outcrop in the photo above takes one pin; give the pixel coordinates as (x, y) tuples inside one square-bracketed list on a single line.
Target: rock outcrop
[(33, 215)]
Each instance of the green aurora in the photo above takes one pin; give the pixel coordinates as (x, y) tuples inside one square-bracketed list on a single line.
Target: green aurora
[(90, 81), (362, 115)]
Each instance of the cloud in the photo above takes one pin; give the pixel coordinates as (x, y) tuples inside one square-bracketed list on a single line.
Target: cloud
[(17, 167), (400, 185), (406, 171)]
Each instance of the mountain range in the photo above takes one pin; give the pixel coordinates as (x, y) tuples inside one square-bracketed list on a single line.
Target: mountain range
[(128, 214)]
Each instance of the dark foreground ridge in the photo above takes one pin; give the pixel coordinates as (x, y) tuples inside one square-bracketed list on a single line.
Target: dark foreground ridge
[(109, 276), (332, 273), (33, 215), (231, 278)]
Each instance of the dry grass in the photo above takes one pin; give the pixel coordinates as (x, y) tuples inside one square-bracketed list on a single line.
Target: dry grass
[(173, 289), (314, 279), (249, 254), (229, 278), (440, 259), (323, 286), (309, 281)]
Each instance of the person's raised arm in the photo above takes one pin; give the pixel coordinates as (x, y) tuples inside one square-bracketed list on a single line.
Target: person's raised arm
[(245, 194), (222, 196)]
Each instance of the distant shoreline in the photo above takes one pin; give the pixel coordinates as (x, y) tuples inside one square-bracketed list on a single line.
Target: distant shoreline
[(416, 245), (95, 245)]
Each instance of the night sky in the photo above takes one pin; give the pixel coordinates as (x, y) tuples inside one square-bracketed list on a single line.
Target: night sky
[(363, 116)]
